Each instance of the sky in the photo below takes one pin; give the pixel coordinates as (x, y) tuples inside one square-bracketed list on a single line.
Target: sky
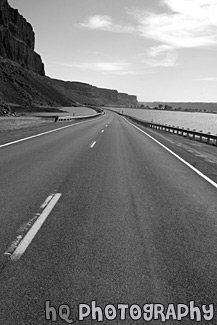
[(159, 50)]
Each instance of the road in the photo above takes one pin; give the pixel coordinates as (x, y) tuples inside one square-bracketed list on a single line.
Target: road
[(125, 222)]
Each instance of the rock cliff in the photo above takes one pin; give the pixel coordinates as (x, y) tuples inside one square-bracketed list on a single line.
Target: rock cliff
[(17, 39), (88, 94), (127, 100), (22, 75), (24, 87)]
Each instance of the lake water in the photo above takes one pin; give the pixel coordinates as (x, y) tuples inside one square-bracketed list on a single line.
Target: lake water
[(205, 122)]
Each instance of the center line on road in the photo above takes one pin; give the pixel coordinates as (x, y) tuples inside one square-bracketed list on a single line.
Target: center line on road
[(102, 131), (21, 245), (93, 144), (46, 201)]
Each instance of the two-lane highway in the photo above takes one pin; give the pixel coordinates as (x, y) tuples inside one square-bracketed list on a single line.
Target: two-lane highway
[(99, 213)]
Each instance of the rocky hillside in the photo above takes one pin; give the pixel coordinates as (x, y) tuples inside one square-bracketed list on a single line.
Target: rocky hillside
[(22, 75), (17, 39), (26, 88), (85, 93)]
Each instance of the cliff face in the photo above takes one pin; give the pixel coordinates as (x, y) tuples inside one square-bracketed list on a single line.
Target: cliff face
[(17, 39), (88, 94), (26, 88), (22, 76), (127, 100)]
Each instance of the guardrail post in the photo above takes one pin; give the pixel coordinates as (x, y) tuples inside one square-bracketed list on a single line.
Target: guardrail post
[(201, 137), (194, 135), (208, 138), (177, 129)]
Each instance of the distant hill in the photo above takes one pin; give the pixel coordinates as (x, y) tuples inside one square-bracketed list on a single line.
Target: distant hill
[(185, 105)]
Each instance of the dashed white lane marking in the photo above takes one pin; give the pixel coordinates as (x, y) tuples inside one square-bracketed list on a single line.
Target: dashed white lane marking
[(177, 156), (46, 201), (92, 144), (21, 243), (40, 134), (102, 131)]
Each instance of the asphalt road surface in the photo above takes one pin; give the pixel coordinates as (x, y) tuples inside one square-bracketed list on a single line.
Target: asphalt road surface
[(100, 224)]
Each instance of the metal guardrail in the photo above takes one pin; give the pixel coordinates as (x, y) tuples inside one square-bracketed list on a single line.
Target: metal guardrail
[(190, 134), (71, 118)]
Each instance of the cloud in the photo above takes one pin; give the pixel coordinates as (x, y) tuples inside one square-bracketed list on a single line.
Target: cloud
[(183, 24), (103, 22), (159, 56), (117, 67), (179, 24), (168, 61), (98, 22), (155, 51), (100, 66), (207, 79), (106, 67)]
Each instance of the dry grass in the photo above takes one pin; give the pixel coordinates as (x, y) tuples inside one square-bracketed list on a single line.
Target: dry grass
[(18, 123)]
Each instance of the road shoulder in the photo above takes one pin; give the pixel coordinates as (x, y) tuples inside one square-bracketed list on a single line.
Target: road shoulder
[(199, 155)]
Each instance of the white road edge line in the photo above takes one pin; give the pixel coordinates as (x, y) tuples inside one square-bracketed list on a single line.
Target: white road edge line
[(26, 241), (177, 156), (93, 144), (40, 134)]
